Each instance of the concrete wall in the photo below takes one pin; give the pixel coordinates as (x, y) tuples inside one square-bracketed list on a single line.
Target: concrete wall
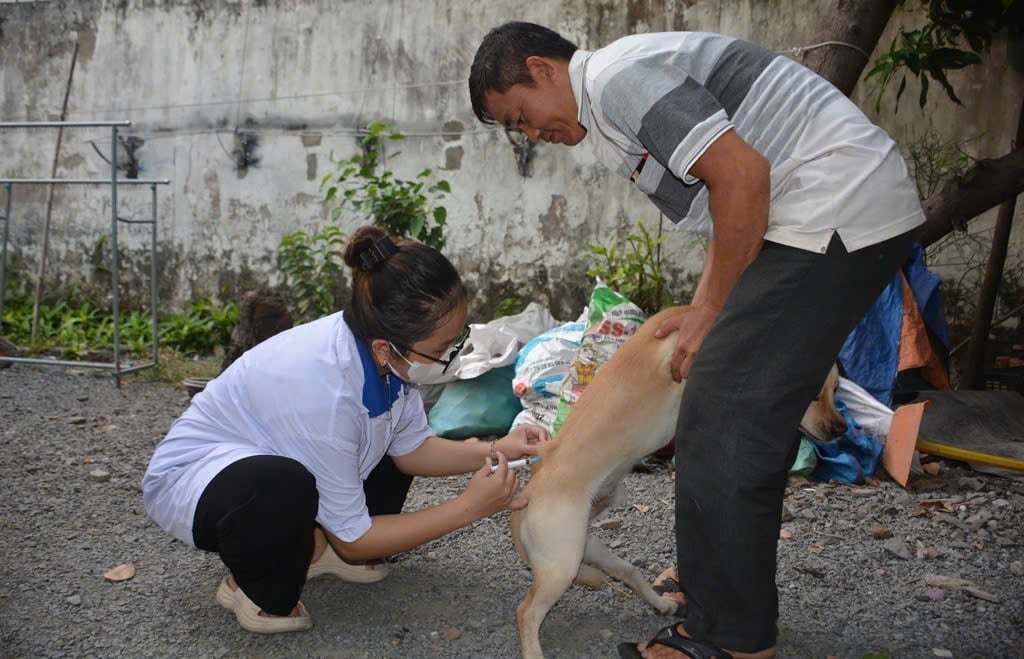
[(292, 80)]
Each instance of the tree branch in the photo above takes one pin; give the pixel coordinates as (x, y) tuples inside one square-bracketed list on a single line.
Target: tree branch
[(986, 185)]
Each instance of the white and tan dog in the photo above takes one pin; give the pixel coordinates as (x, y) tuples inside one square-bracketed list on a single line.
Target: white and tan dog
[(601, 439)]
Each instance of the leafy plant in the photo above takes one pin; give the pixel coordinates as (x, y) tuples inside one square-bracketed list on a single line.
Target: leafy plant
[(509, 306), (935, 160), (931, 51), (198, 329), (313, 265), (406, 208), (81, 328), (633, 267)]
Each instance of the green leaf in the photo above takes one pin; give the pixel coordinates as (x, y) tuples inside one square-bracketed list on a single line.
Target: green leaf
[(443, 185), (416, 226), (440, 215), (331, 191)]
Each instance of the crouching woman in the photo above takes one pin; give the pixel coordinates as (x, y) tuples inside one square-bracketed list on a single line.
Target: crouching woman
[(296, 461)]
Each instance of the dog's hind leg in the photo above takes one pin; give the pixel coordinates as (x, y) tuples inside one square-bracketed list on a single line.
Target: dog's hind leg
[(598, 554), (590, 576), (553, 542)]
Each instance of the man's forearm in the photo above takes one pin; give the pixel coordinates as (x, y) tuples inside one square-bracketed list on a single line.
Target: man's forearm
[(740, 222)]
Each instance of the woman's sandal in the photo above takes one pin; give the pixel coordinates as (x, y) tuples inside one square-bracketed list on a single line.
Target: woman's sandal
[(669, 637), (330, 563), (248, 614)]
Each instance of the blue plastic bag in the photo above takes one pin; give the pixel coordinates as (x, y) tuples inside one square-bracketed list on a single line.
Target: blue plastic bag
[(851, 458), (484, 405)]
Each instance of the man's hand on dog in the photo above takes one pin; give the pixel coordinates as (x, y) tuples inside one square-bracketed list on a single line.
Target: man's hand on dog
[(491, 492), (692, 326)]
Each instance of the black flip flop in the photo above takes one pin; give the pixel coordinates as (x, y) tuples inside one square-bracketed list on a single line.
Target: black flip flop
[(668, 637)]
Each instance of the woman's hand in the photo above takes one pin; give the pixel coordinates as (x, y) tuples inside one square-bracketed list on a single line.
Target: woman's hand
[(525, 440), (491, 492), (692, 326)]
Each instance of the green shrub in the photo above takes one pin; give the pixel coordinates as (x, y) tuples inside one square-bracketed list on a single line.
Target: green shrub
[(633, 267), (406, 208), (314, 267)]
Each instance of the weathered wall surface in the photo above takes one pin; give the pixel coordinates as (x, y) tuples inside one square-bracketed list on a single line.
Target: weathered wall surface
[(245, 105)]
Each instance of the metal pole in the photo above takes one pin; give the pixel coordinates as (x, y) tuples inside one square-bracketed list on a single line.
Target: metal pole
[(115, 274), (55, 124), (152, 285), (3, 258), (84, 181)]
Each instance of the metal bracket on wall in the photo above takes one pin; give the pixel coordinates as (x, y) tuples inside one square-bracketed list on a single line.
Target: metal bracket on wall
[(524, 151)]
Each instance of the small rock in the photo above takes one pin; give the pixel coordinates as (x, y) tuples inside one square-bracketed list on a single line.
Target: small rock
[(881, 532), (1000, 503), (935, 594), (1017, 567), (970, 483), (787, 513), (979, 519), (807, 513), (991, 525), (941, 652), (221, 652), (74, 600), (82, 399), (615, 544), (77, 420), (610, 523), (99, 476), (904, 498), (897, 548), (451, 633), (606, 635)]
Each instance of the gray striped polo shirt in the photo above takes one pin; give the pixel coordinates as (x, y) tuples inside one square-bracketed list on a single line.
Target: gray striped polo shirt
[(671, 95)]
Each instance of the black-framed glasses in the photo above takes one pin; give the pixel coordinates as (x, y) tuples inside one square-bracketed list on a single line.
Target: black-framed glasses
[(460, 343)]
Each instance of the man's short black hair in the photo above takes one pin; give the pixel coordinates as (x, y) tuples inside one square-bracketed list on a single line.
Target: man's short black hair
[(500, 61)]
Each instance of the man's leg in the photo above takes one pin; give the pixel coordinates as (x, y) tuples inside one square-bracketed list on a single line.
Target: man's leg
[(764, 360)]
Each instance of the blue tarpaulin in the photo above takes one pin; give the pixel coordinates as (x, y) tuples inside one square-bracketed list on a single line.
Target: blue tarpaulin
[(850, 458), (870, 356)]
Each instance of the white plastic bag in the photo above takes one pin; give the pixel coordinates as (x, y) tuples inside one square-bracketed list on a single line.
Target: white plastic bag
[(873, 416), (497, 343)]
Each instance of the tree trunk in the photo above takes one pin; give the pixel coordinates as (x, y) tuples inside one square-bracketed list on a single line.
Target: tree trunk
[(985, 186), (856, 22)]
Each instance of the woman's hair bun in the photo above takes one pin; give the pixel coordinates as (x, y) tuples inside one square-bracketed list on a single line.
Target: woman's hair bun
[(361, 241)]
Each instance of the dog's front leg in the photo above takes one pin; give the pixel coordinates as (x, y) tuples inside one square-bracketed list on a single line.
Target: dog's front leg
[(598, 554)]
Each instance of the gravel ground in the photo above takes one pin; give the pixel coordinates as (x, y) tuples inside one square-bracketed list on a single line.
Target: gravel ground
[(844, 592)]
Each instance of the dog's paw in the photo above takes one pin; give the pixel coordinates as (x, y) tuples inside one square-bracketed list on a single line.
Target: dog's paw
[(667, 606)]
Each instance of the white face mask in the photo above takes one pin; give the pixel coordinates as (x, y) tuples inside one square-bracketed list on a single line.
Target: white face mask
[(432, 373)]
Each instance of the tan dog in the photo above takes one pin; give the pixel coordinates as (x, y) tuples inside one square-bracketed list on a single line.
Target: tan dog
[(603, 436)]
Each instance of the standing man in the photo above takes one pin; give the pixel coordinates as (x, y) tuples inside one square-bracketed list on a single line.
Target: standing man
[(809, 212)]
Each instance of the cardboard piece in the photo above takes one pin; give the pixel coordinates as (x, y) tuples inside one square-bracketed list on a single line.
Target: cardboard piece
[(900, 442)]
